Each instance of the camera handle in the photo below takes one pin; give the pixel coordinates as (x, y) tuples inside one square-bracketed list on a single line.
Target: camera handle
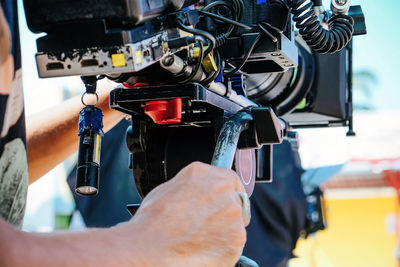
[(251, 127), (228, 139), (225, 152)]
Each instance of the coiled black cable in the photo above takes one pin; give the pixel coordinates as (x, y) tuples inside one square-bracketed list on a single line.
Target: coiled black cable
[(236, 9), (335, 38)]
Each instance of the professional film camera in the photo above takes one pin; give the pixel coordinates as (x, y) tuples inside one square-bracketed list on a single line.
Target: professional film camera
[(186, 67)]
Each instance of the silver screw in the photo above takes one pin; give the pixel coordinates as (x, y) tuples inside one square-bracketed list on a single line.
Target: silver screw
[(341, 2)]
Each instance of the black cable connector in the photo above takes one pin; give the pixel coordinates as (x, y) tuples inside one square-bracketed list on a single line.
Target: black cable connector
[(180, 42)]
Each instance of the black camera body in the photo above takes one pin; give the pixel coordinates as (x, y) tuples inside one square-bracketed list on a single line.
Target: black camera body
[(187, 65), (111, 26), (48, 15)]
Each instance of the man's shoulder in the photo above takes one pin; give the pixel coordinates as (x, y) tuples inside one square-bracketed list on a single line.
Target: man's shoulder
[(13, 181), (13, 157)]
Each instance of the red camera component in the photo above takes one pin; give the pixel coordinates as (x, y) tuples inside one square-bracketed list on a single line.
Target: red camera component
[(164, 111)]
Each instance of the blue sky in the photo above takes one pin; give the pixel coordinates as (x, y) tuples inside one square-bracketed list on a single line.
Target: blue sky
[(378, 51)]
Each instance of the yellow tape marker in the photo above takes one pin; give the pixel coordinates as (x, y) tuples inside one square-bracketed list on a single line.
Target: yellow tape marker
[(138, 57), (118, 60), (209, 63)]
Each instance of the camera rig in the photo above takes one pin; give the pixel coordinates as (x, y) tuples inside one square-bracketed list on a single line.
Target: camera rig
[(186, 66)]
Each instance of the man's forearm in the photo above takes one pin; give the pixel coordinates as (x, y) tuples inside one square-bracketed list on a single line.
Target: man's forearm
[(52, 135), (194, 219), (96, 247)]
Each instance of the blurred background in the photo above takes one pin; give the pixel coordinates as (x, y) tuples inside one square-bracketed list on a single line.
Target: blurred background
[(362, 202)]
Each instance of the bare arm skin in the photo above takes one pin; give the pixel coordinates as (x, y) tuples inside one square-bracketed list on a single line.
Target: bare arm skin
[(5, 38), (193, 220), (6, 60), (94, 247), (52, 135)]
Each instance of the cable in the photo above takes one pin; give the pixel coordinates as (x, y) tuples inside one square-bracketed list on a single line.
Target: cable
[(237, 68), (214, 75), (217, 3), (198, 64), (235, 23), (206, 35), (221, 39), (240, 6), (266, 32), (335, 38), (235, 8)]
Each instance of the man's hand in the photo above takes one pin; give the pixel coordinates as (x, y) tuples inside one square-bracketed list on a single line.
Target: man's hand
[(195, 219)]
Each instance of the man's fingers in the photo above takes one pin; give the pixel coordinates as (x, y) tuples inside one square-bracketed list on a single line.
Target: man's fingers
[(241, 196), (232, 177), (223, 180), (245, 203)]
